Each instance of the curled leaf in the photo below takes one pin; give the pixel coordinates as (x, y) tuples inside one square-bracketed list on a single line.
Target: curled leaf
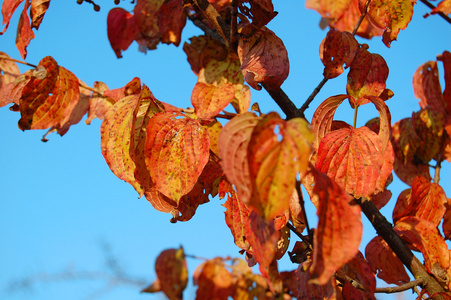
[(172, 273), (121, 29), (171, 20)]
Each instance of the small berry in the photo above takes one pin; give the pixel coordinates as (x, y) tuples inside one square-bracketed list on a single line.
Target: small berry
[(79, 1), (96, 7), (117, 2)]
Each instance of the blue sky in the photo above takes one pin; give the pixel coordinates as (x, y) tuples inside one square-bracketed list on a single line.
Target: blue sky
[(59, 202)]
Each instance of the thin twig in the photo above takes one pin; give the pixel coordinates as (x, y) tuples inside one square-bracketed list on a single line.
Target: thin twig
[(18, 61), (397, 289), (441, 14), (312, 96), (362, 16), (304, 212)]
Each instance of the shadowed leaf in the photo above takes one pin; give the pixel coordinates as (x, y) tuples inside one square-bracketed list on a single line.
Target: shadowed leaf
[(171, 21), (37, 11), (121, 29)]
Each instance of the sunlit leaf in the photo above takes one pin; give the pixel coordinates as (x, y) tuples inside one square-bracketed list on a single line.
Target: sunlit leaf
[(385, 263), (209, 100), (423, 236), (428, 125), (277, 152), (339, 230), (213, 280), (329, 8), (8, 9), (99, 105), (444, 6), (426, 86), (176, 150), (24, 32), (390, 15)]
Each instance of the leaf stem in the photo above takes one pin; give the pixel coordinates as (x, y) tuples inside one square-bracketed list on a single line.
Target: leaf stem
[(441, 14), (302, 202), (18, 61), (397, 289), (356, 109), (196, 257)]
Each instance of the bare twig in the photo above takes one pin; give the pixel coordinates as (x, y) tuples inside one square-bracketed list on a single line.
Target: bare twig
[(312, 96), (431, 6), (401, 288), (362, 16), (18, 61), (282, 100)]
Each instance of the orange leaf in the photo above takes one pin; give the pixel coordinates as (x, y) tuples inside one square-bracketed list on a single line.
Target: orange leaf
[(146, 19), (233, 143), (264, 58), (24, 32), (424, 200), (236, 216), (367, 76), (37, 11), (172, 273), (444, 7), (116, 133), (390, 15), (428, 125), (446, 226), (426, 86), (98, 105), (213, 280), (12, 91), (329, 8), (337, 48), (339, 231), (9, 69), (209, 100), (202, 50), (121, 29), (352, 158), (296, 213), (385, 263), (424, 236), (171, 20), (214, 129), (176, 150), (277, 152), (47, 101)]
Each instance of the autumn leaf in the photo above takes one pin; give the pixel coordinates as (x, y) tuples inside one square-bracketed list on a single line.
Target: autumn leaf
[(213, 280), (146, 19), (171, 21), (37, 12), (444, 6), (264, 58), (12, 91), (8, 9), (428, 125), (98, 104), (47, 101), (337, 48), (172, 273), (116, 134), (9, 69), (359, 270), (391, 15), (339, 230), (312, 291), (201, 50), (208, 100), (422, 235), (261, 12), (385, 263), (445, 57), (446, 226), (233, 143), (214, 129), (367, 76), (277, 152), (328, 8), (236, 216), (424, 200), (426, 86), (122, 29), (24, 32), (176, 150)]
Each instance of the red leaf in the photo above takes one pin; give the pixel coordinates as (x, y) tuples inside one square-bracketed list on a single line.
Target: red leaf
[(424, 236), (121, 29), (24, 32), (172, 273), (8, 8), (446, 226), (424, 200), (391, 15), (202, 50), (176, 150), (171, 21), (359, 270), (426, 86), (312, 291), (233, 143), (48, 101), (352, 157), (209, 100), (446, 59), (385, 263), (146, 18), (367, 76), (428, 125), (37, 11), (339, 231), (261, 12), (337, 48), (236, 216), (277, 152), (264, 59)]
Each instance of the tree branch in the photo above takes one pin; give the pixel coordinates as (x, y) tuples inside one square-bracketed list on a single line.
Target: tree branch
[(282, 100), (431, 6), (312, 96), (401, 288), (385, 230)]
